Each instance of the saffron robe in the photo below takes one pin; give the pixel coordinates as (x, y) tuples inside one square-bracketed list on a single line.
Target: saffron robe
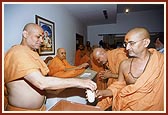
[(20, 61), (147, 94), (12, 108), (115, 57), (94, 65), (57, 69)]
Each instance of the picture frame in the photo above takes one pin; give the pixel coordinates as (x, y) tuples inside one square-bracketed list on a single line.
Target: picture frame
[(48, 45)]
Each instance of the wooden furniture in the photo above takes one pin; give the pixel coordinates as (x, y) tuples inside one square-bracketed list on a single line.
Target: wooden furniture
[(48, 59), (64, 105)]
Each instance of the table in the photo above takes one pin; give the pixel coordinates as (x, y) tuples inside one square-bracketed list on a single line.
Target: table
[(72, 106), (76, 95), (87, 74)]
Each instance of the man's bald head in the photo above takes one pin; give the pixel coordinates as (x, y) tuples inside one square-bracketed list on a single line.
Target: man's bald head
[(60, 49), (98, 51), (99, 54), (32, 36), (138, 33), (31, 27), (61, 53)]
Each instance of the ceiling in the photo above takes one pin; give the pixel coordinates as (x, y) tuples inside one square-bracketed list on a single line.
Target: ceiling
[(92, 14)]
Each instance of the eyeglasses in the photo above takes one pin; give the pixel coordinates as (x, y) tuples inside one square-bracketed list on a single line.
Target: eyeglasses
[(132, 43)]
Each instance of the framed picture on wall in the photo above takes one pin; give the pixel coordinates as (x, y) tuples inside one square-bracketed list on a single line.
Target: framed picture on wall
[(48, 45)]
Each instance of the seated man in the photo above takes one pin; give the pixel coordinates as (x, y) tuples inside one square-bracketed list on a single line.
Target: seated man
[(25, 71), (60, 67), (140, 85)]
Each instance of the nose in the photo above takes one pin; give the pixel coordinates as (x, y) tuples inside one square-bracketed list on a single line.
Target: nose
[(41, 39), (128, 46)]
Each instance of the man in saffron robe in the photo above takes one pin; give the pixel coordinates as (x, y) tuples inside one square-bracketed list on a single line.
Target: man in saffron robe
[(85, 54), (140, 85), (60, 67), (24, 74), (110, 60), (94, 65), (79, 54)]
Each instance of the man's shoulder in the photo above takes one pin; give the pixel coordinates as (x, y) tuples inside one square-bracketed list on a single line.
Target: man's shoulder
[(15, 50), (56, 60), (126, 62)]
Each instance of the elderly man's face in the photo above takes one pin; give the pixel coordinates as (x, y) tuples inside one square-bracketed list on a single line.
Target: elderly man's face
[(62, 54), (101, 57), (134, 44), (35, 38)]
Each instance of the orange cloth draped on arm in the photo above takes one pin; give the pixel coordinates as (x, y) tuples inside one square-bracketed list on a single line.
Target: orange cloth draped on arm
[(57, 69), (106, 102), (24, 61), (147, 94), (115, 57)]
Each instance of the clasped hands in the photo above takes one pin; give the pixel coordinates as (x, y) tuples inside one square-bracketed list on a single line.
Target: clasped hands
[(104, 74)]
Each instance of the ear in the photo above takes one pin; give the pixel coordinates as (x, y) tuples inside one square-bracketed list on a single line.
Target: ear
[(146, 42), (25, 34)]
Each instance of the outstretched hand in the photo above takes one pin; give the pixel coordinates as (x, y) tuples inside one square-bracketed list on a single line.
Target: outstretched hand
[(87, 84), (103, 93), (84, 65)]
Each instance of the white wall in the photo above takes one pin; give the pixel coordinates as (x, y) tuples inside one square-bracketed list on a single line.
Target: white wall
[(66, 26), (153, 20)]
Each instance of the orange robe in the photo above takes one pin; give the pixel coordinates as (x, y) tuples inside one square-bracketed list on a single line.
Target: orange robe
[(84, 59), (115, 57), (147, 94), (94, 65), (57, 69), (20, 61), (12, 108), (84, 56), (78, 57)]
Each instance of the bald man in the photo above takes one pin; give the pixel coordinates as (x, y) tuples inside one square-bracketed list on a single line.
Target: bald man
[(110, 60), (60, 67), (24, 74), (140, 85)]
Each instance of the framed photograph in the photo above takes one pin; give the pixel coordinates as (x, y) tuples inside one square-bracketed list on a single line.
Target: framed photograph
[(48, 46)]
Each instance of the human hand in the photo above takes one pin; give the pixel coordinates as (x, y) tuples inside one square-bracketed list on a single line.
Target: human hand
[(101, 75), (105, 74), (84, 65), (87, 83), (103, 93)]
